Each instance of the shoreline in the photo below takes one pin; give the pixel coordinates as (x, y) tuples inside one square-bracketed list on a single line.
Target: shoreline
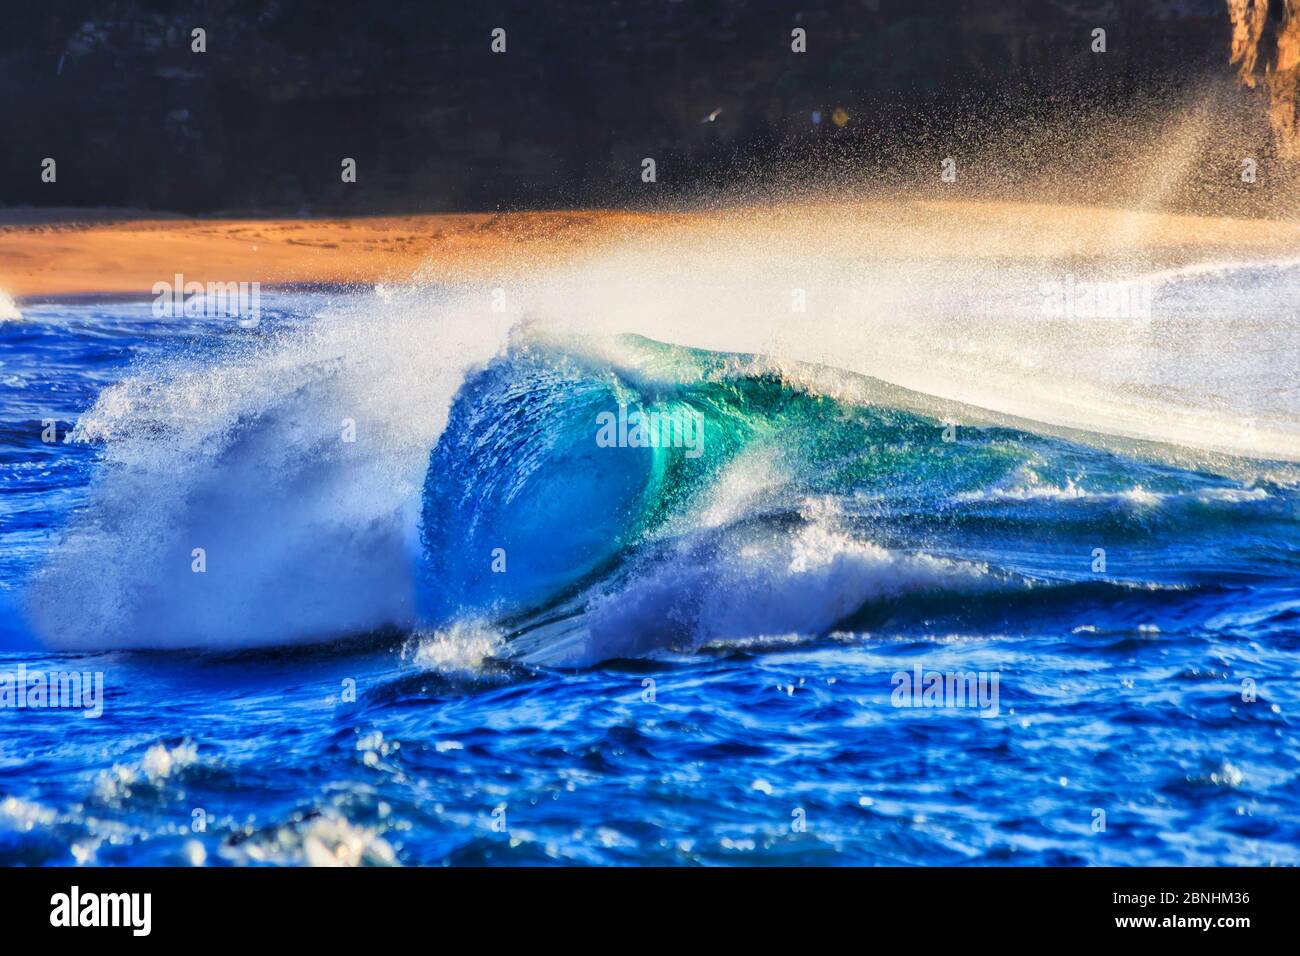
[(54, 255), (71, 255)]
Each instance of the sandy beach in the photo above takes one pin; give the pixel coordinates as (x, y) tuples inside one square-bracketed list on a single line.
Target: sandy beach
[(76, 252), (70, 252)]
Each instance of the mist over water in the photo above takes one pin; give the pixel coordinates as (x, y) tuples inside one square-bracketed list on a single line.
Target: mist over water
[(1051, 319), (1056, 442), (8, 310)]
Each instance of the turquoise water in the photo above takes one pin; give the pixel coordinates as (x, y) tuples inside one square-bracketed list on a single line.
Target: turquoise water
[(439, 622)]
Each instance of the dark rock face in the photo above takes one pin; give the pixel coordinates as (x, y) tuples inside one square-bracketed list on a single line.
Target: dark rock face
[(436, 120)]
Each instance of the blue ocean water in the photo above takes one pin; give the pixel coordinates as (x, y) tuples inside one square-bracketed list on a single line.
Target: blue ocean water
[(438, 623)]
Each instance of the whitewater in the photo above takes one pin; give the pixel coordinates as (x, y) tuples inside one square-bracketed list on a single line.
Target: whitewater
[(312, 537), (913, 456)]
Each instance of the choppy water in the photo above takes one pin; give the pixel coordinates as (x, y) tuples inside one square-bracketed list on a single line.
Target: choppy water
[(688, 658)]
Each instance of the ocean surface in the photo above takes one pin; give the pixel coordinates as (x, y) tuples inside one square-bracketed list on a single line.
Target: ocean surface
[(363, 586)]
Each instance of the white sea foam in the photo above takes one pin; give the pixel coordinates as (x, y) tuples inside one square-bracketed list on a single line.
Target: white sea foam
[(1024, 484), (461, 647), (8, 308), (1233, 495), (328, 839), (23, 815), (724, 589), (306, 536), (159, 764)]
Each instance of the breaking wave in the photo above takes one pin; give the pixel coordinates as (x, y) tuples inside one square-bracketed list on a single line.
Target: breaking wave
[(419, 460)]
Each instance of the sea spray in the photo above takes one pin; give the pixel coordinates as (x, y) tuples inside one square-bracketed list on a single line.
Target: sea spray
[(298, 458), (8, 308), (305, 535)]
